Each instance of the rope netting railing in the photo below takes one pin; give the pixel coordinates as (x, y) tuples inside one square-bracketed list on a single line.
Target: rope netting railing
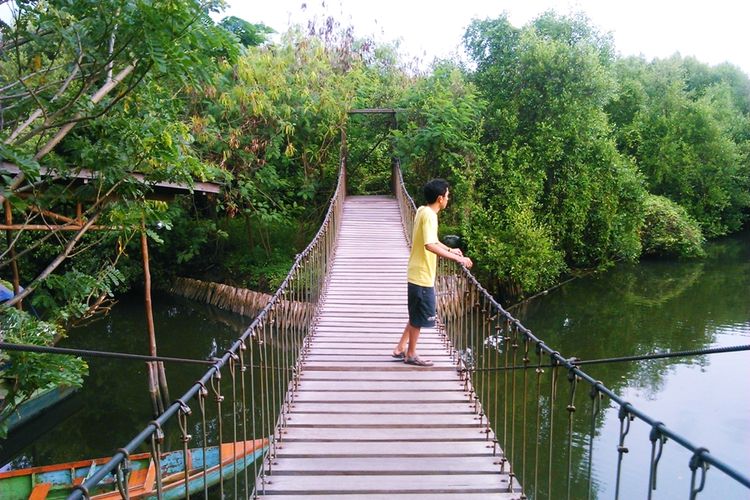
[(227, 426), (546, 414)]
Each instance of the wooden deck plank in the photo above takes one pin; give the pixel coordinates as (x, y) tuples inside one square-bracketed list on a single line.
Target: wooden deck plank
[(371, 339), (384, 364), (364, 349), (445, 397), (349, 330), (429, 420), (397, 466), (383, 357), (387, 449), (391, 385), (456, 483), (376, 376), (361, 423), (373, 335), (400, 407), (319, 434), (396, 322), (402, 496), (367, 342)]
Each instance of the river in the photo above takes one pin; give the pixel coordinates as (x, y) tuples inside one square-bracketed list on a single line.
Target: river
[(660, 305)]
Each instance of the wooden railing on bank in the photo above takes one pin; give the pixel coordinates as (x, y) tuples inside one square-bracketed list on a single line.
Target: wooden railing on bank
[(230, 298)]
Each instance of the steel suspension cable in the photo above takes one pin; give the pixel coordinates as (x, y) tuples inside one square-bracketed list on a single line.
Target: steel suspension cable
[(87, 353), (637, 357)]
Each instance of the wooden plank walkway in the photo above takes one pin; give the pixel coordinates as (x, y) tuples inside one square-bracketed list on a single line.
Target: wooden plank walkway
[(363, 424)]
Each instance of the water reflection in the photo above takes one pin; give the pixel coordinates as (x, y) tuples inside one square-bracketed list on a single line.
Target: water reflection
[(653, 306)]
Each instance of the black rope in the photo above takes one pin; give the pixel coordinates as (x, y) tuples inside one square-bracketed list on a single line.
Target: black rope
[(661, 355), (116, 355), (98, 354), (640, 357)]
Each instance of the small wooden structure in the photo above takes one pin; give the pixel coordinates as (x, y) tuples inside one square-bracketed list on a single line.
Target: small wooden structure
[(164, 191), (363, 424)]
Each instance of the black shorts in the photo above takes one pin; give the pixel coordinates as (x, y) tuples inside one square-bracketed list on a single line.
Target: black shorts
[(421, 300)]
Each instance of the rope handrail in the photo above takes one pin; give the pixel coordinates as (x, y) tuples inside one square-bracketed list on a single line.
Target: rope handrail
[(301, 281), (702, 453), (701, 457)]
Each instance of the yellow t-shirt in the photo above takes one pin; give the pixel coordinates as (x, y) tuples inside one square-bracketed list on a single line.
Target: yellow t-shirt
[(423, 263)]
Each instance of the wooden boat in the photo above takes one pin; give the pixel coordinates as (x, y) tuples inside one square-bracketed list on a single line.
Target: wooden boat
[(57, 481), (40, 401)]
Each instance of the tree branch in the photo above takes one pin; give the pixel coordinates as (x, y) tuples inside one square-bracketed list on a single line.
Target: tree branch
[(98, 96), (36, 114), (55, 232), (55, 263)]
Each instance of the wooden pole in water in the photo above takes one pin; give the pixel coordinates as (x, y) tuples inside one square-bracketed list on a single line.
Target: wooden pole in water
[(147, 292), (153, 388), (153, 369), (163, 389), (14, 262)]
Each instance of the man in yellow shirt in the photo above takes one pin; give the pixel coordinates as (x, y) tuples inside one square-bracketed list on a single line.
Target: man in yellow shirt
[(422, 268)]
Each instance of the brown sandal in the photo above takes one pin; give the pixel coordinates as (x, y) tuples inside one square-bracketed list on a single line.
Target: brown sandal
[(417, 361)]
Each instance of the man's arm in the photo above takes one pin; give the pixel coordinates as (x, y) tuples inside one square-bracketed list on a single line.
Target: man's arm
[(456, 251), (449, 253)]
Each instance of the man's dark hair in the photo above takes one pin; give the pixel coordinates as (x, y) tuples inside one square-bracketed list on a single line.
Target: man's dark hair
[(433, 189)]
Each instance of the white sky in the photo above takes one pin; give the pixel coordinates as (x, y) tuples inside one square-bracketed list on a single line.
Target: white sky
[(713, 31)]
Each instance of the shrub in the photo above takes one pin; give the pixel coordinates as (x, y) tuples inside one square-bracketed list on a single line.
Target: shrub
[(668, 230), (515, 247)]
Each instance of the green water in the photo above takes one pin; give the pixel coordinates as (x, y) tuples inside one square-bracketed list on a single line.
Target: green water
[(638, 309), (113, 406)]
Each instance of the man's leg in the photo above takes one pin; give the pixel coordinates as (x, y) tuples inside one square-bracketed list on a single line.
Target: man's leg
[(411, 353), (402, 344), (413, 338)]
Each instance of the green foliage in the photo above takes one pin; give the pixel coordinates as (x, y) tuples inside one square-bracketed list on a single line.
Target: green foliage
[(248, 34), (258, 254), (69, 296), (441, 137), (56, 56), (188, 241), (266, 275), (25, 373), (273, 120), (58, 53), (381, 84), (556, 166), (685, 126), (518, 249), (668, 230)]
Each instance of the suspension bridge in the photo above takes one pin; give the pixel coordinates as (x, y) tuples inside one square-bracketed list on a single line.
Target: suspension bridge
[(308, 401), (367, 425)]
